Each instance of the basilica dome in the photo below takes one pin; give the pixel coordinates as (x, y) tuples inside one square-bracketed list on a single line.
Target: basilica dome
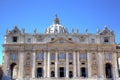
[(56, 28)]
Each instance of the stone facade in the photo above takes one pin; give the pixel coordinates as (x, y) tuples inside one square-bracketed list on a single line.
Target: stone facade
[(58, 54)]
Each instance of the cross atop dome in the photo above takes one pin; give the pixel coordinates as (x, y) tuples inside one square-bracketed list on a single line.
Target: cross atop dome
[(56, 20), (56, 28)]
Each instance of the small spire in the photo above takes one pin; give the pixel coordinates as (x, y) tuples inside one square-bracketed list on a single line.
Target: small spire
[(35, 30), (77, 30), (86, 30), (56, 20), (105, 27)]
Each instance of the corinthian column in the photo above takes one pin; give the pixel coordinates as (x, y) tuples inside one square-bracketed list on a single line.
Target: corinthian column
[(67, 67), (48, 65), (78, 64), (89, 64), (56, 64), (74, 64), (33, 68), (45, 64)]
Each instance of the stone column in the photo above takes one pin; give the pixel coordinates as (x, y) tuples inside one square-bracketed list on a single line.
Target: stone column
[(74, 64), (67, 66), (45, 71), (78, 64), (100, 65), (21, 65), (48, 65), (56, 64), (115, 65), (33, 68), (89, 64), (5, 62)]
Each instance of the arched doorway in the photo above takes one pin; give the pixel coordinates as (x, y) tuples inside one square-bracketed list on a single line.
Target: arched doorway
[(70, 74), (108, 70), (52, 74), (39, 72), (61, 72), (13, 69), (83, 72)]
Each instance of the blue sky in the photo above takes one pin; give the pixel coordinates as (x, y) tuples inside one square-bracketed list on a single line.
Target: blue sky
[(81, 14)]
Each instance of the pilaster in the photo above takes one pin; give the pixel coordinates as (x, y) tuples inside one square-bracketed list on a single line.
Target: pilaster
[(21, 65), (115, 65), (100, 65)]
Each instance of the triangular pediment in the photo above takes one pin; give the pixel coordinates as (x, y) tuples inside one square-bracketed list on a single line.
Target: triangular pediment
[(105, 31)]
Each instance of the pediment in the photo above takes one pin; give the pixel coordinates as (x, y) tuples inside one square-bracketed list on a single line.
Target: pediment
[(15, 30), (105, 31), (61, 41)]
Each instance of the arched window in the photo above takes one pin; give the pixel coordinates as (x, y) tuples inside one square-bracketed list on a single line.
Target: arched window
[(61, 55), (83, 56), (40, 56), (70, 74), (13, 57), (53, 56)]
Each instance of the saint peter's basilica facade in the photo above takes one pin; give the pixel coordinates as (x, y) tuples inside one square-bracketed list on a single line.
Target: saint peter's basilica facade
[(60, 55)]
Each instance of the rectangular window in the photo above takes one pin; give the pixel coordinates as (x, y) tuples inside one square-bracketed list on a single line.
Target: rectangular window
[(70, 56), (40, 56), (13, 56), (92, 41), (53, 56), (29, 40), (70, 39), (107, 56), (82, 56), (52, 39), (14, 39), (61, 55), (106, 40)]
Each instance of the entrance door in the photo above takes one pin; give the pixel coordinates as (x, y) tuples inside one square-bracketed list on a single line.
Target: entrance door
[(39, 72), (13, 70), (61, 69), (108, 69), (70, 74), (83, 72), (52, 74)]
